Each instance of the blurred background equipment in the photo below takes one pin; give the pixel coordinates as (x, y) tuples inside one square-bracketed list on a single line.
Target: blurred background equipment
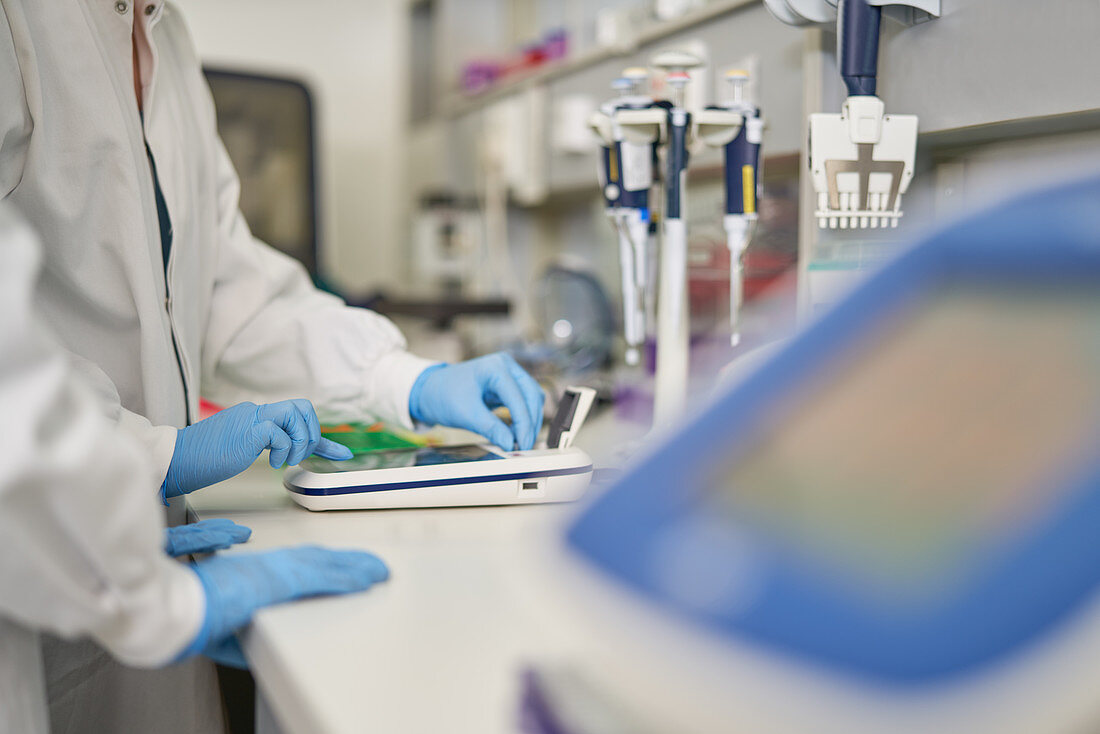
[(575, 319), (887, 544), (267, 125), (447, 243)]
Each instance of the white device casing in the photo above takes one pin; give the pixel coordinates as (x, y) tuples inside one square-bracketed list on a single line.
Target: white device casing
[(586, 397), (520, 477), (676, 676), (824, 12)]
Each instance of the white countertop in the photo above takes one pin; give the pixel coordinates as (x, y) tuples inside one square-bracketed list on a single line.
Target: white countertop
[(439, 647)]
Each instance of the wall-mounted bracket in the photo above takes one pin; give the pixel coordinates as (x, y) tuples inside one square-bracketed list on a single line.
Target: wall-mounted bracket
[(823, 12)]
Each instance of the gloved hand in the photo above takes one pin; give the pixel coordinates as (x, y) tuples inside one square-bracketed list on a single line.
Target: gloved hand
[(238, 585), (463, 395), (226, 443), (205, 536)]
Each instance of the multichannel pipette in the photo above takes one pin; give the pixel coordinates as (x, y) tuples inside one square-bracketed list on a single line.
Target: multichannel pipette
[(862, 159)]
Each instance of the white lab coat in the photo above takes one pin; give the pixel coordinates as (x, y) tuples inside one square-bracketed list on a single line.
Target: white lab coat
[(248, 323), (81, 531)]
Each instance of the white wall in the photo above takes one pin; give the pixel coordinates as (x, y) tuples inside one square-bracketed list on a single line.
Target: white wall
[(352, 53)]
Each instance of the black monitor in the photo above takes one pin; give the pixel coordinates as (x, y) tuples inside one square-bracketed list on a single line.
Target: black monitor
[(267, 126)]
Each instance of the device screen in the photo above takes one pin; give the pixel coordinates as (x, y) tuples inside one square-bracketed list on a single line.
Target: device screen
[(428, 456), (949, 427)]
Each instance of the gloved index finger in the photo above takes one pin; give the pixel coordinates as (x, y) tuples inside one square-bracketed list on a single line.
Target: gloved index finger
[(328, 449)]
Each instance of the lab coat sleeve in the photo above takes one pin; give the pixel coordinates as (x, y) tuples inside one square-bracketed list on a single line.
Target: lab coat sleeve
[(15, 118), (158, 442), (80, 527), (272, 335)]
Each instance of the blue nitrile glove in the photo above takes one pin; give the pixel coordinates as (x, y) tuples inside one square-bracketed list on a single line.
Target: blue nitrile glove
[(226, 443), (463, 395), (205, 536), (238, 585)]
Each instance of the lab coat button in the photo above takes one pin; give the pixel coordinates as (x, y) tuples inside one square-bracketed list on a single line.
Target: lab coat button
[(150, 9), (122, 6)]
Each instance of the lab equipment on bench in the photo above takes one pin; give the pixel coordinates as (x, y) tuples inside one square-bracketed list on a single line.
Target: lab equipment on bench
[(452, 476), (893, 526)]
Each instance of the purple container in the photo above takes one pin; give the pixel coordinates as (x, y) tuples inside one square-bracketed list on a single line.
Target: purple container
[(555, 44), (477, 76)]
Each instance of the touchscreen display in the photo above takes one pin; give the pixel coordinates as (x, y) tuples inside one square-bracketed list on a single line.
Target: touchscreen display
[(952, 425), (428, 456)]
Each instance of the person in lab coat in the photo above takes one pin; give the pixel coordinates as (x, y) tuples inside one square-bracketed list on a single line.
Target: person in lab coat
[(81, 533), (156, 287)]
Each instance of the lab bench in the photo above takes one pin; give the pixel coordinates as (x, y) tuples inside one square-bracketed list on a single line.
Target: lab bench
[(440, 646)]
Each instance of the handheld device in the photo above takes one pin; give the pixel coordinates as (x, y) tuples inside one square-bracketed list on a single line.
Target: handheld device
[(452, 476), (895, 523), (445, 476)]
